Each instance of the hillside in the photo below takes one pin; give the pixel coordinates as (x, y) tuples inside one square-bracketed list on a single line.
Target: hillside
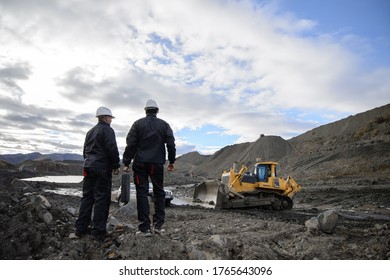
[(19, 158), (354, 148)]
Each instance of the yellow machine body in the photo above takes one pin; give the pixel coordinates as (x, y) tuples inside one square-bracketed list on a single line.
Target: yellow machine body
[(239, 189)]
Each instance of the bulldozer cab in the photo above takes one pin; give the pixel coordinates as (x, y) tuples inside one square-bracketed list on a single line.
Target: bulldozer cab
[(264, 170)]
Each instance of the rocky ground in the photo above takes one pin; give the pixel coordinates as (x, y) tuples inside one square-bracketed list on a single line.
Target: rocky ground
[(35, 223)]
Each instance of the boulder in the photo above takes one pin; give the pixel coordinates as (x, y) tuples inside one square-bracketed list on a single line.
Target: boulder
[(39, 202), (325, 222), (328, 221), (45, 216), (72, 211), (219, 240), (195, 253), (312, 225)]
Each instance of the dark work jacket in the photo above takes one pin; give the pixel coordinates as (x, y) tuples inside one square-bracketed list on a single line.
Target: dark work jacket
[(146, 141), (100, 149)]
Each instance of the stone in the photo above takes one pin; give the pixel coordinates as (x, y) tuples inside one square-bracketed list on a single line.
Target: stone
[(328, 221), (73, 235), (3, 205), (19, 184), (219, 240), (45, 216), (312, 225), (40, 202), (71, 211)]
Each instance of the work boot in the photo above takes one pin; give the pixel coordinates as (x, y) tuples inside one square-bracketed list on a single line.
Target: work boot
[(146, 233), (101, 236), (78, 234), (74, 235), (159, 231)]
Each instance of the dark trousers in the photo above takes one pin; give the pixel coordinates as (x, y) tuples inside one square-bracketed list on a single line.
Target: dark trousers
[(142, 172), (96, 198)]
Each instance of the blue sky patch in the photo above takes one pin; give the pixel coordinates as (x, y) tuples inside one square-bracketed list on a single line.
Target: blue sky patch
[(206, 136)]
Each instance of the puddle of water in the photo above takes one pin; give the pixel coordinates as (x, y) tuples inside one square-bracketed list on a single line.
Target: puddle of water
[(57, 179), (189, 201), (115, 191), (78, 192), (67, 191)]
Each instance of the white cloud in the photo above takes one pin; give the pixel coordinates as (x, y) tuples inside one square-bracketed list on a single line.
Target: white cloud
[(236, 65)]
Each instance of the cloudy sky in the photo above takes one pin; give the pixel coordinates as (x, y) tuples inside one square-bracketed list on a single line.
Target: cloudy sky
[(222, 72)]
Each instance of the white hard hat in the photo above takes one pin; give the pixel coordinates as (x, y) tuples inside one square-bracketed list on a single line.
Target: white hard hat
[(151, 104), (103, 111)]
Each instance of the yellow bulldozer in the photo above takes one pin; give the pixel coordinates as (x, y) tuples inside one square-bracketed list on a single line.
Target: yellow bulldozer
[(242, 189)]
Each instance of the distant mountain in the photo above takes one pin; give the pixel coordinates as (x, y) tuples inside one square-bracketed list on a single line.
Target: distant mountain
[(19, 158)]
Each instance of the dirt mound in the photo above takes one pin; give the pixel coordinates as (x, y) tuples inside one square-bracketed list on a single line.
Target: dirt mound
[(221, 160), (266, 148), (193, 159)]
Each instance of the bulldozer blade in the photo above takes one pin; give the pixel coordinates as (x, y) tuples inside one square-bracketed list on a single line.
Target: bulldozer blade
[(210, 192)]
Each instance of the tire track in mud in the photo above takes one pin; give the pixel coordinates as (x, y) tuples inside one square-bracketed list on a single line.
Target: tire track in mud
[(300, 216)]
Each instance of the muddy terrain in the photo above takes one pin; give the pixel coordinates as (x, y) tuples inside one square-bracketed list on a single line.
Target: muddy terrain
[(194, 232)]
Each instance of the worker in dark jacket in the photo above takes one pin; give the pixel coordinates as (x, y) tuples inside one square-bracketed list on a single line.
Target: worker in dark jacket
[(101, 159), (147, 141)]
